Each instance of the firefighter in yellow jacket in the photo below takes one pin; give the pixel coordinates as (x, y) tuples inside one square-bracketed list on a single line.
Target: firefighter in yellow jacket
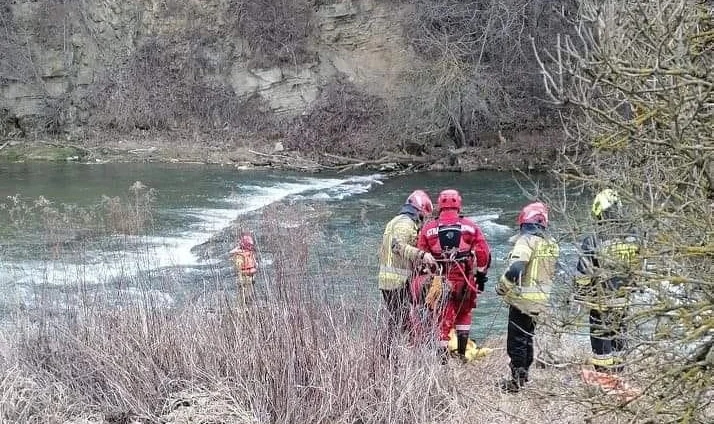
[(606, 278), (398, 256), (525, 286), (245, 265)]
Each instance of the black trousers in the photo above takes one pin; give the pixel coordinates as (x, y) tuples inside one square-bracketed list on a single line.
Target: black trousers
[(397, 302), (607, 336), (519, 343)]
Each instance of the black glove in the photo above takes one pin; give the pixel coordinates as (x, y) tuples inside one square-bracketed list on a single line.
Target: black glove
[(481, 280)]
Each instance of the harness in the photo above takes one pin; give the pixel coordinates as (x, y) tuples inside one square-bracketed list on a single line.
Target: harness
[(431, 291), (452, 256)]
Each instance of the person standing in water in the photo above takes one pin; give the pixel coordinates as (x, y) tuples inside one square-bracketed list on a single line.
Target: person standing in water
[(246, 266)]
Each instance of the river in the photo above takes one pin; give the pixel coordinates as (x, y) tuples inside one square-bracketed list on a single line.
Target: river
[(197, 203)]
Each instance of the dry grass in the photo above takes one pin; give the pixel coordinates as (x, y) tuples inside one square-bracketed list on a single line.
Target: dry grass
[(64, 227), (132, 216), (303, 352), (286, 361)]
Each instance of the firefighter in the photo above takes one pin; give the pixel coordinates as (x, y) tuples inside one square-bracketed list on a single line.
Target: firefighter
[(461, 250), (246, 267), (525, 286), (606, 276), (398, 257)]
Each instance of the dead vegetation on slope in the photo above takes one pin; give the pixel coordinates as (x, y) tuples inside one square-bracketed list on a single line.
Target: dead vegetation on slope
[(176, 75)]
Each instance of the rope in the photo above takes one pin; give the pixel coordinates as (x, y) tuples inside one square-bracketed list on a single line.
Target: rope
[(441, 272), (359, 271)]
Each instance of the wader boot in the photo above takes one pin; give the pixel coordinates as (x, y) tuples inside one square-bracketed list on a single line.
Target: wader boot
[(462, 340), (518, 380)]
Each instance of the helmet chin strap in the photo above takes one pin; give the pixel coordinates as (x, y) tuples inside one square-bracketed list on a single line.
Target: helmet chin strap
[(421, 217), (455, 211)]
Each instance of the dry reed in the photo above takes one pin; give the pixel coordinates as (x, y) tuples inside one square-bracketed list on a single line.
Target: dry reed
[(295, 354)]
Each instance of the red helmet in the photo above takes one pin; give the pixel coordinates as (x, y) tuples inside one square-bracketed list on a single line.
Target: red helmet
[(421, 201), (449, 199), (246, 242), (534, 213)]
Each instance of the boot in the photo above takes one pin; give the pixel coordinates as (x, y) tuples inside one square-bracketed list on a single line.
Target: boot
[(509, 385), (520, 375), (518, 380), (462, 339)]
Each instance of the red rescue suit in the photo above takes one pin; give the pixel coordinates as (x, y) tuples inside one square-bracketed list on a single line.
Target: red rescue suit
[(246, 262), (460, 246)]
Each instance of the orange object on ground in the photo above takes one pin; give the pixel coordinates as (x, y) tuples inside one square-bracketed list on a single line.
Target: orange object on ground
[(610, 384)]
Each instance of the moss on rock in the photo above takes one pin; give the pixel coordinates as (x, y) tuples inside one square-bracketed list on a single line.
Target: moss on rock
[(52, 153)]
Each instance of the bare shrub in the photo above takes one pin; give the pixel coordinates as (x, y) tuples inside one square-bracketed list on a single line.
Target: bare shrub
[(171, 82), (297, 356), (56, 114), (9, 125), (639, 76), (485, 76), (276, 30), (163, 87), (342, 121), (130, 216)]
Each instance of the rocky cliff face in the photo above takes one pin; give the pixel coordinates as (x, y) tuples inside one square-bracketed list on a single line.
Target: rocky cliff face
[(60, 56)]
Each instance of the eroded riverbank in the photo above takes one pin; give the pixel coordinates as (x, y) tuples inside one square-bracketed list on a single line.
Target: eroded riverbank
[(526, 151)]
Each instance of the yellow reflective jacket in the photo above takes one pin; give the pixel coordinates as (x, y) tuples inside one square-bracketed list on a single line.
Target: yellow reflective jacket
[(540, 254), (397, 253), (606, 268)]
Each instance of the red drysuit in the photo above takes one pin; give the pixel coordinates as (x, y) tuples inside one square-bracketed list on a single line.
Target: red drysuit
[(459, 246)]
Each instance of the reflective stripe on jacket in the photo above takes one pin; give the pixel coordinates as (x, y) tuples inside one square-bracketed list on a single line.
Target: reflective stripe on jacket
[(607, 266), (540, 253), (397, 253)]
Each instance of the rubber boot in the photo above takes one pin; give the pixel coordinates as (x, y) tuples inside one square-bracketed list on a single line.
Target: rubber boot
[(462, 339), (519, 377), (509, 385)]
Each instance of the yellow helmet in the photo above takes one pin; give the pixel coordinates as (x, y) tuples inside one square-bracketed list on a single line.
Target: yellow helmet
[(604, 201)]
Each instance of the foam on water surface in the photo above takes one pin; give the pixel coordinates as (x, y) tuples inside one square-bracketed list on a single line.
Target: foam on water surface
[(143, 254)]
